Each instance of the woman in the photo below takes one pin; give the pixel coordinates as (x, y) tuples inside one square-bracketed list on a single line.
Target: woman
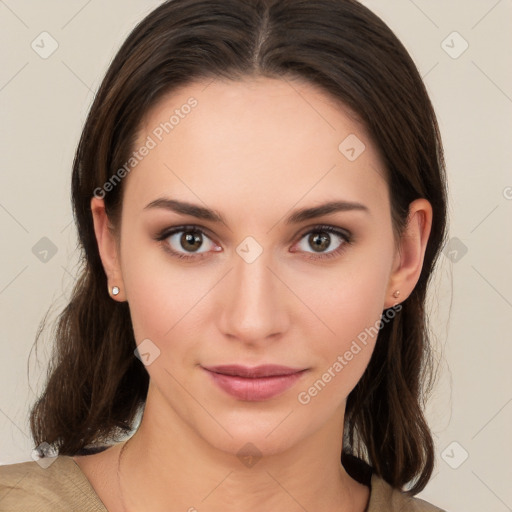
[(260, 195)]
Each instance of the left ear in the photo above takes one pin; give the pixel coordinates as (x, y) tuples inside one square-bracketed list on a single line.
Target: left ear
[(410, 255)]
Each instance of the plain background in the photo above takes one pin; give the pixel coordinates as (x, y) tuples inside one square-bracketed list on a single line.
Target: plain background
[(44, 102)]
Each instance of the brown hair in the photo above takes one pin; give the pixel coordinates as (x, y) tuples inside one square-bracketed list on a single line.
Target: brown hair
[(96, 386)]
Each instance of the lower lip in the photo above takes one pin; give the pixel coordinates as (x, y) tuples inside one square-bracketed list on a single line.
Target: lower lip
[(253, 390)]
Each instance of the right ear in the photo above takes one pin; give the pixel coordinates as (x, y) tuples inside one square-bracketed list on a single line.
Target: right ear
[(108, 248)]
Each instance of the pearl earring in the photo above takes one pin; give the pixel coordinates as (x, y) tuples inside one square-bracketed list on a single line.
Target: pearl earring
[(396, 294), (115, 290)]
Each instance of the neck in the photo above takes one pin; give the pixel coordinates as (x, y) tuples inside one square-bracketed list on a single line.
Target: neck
[(166, 464)]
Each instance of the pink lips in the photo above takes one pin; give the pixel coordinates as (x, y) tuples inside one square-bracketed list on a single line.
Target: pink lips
[(254, 384)]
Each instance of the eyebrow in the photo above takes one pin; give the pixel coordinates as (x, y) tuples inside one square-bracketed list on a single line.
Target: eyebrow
[(301, 215)]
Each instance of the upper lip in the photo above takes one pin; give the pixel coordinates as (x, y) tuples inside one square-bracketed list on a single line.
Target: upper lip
[(265, 370)]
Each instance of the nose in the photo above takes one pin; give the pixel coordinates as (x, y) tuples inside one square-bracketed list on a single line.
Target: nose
[(255, 303)]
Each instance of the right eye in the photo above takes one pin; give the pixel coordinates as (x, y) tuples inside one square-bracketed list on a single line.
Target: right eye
[(185, 238)]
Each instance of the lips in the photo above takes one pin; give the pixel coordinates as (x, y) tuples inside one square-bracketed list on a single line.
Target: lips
[(266, 370), (256, 383)]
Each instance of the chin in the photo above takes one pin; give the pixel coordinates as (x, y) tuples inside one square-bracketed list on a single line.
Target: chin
[(257, 435)]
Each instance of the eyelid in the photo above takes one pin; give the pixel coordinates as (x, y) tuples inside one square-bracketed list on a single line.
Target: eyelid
[(326, 227), (172, 230)]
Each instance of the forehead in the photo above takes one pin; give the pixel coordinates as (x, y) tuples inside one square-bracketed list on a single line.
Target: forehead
[(254, 143)]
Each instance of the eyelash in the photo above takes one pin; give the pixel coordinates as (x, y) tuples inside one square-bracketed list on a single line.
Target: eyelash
[(345, 236)]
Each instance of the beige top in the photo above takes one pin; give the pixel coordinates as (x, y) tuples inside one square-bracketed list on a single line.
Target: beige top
[(63, 486)]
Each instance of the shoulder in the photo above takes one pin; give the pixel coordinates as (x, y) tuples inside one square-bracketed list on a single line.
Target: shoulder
[(61, 486), (383, 498)]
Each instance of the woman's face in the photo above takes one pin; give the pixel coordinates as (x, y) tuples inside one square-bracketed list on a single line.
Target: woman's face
[(268, 285)]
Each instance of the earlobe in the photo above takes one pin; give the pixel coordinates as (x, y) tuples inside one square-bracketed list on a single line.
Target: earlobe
[(108, 249), (411, 254)]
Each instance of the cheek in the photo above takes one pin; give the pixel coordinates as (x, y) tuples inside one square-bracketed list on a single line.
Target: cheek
[(351, 296), (162, 303), (160, 293), (348, 311)]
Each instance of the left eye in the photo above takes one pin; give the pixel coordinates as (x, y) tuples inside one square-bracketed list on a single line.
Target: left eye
[(320, 239)]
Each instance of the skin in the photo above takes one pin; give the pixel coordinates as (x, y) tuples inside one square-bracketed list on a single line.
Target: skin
[(253, 150)]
